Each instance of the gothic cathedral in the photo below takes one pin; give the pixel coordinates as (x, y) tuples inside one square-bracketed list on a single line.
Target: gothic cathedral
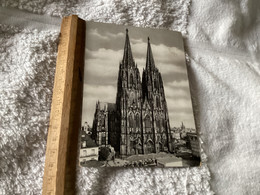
[(138, 123)]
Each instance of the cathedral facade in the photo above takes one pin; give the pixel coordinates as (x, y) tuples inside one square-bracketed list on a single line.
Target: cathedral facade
[(138, 123)]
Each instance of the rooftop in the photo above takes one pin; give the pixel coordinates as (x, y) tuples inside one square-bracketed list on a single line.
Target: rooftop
[(89, 142)]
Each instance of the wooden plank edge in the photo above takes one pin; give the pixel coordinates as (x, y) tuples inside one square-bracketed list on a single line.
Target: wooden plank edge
[(60, 120)]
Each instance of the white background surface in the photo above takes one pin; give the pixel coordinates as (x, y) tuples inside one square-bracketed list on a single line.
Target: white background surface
[(222, 42)]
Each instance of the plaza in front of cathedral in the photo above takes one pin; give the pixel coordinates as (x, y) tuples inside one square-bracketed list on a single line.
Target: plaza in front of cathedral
[(182, 157)]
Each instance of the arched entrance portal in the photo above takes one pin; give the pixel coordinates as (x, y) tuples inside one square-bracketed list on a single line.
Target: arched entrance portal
[(139, 149), (135, 147), (149, 147), (160, 147)]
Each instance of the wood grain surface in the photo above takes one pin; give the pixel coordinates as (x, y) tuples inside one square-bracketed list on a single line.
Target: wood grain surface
[(65, 118)]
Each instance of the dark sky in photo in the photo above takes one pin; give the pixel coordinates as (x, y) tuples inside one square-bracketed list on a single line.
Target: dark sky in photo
[(104, 51)]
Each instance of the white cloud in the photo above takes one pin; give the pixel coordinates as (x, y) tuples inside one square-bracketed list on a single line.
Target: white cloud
[(107, 54), (105, 93), (135, 41), (179, 84), (171, 92), (139, 48), (103, 63), (168, 54), (93, 33), (179, 104), (168, 68), (114, 35)]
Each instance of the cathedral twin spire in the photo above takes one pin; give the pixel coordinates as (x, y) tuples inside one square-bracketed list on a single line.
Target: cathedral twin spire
[(147, 76), (149, 58), (128, 57)]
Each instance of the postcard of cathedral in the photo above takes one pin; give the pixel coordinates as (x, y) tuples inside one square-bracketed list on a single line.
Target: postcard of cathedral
[(137, 109)]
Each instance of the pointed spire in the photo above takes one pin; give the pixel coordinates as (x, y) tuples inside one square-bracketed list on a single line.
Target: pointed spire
[(182, 126), (149, 57), (128, 57), (98, 104)]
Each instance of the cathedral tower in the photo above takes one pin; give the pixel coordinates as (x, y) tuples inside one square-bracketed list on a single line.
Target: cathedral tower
[(156, 127), (128, 101), (141, 121)]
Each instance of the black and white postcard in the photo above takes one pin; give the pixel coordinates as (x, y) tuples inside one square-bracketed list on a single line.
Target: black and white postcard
[(137, 109)]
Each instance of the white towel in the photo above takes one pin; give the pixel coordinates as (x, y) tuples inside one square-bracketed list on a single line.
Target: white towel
[(223, 44), (224, 73)]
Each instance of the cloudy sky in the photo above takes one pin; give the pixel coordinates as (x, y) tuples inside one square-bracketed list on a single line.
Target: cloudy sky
[(104, 51)]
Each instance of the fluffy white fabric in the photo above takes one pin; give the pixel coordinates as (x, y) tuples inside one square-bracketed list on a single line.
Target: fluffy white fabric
[(223, 43), (27, 71), (223, 48)]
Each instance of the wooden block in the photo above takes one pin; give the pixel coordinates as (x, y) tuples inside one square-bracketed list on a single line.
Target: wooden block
[(65, 119)]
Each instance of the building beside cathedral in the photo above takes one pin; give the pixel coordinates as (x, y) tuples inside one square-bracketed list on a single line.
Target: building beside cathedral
[(138, 122)]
